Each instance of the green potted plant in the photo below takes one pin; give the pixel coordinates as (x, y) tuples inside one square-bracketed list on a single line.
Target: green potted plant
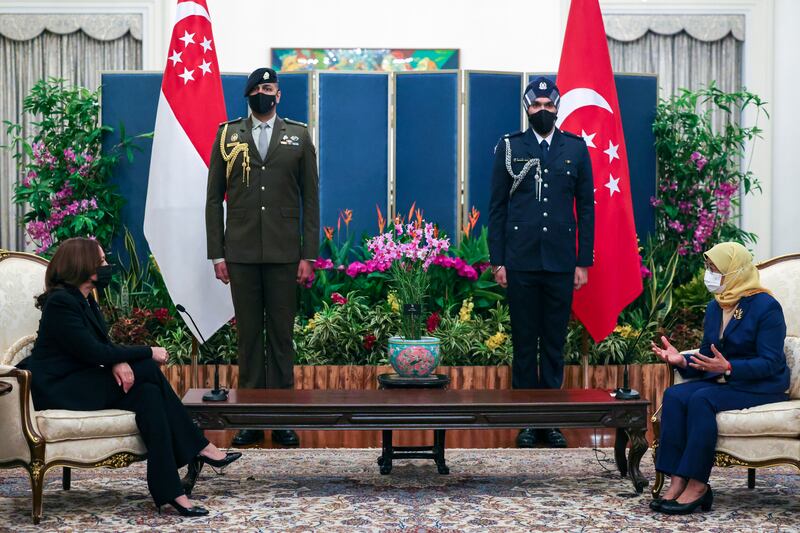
[(406, 252)]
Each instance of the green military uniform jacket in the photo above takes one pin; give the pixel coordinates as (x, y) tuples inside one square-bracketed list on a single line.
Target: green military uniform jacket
[(266, 200)]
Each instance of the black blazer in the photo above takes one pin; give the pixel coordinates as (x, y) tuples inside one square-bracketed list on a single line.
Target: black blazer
[(528, 234), (73, 355)]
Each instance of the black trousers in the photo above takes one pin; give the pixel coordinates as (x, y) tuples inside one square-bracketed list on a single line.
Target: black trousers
[(265, 299), (540, 304), (171, 437)]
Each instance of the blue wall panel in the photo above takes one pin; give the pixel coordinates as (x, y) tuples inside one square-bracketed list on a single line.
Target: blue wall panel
[(295, 95), (353, 147), (131, 99), (494, 108), (426, 147), (638, 96)]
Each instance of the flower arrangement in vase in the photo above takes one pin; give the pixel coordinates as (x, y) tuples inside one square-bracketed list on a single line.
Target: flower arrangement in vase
[(405, 253)]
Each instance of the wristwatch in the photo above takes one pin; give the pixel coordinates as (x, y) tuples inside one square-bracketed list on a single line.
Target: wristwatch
[(728, 371), (496, 269)]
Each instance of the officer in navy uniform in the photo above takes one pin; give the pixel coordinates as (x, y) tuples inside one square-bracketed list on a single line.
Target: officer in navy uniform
[(541, 179), (264, 168)]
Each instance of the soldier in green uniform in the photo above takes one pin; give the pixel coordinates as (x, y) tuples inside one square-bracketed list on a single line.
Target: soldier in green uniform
[(265, 168)]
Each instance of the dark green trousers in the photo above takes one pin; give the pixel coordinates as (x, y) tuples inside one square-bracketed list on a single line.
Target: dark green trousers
[(265, 298)]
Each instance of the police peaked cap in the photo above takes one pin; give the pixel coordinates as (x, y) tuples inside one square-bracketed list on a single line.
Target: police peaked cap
[(259, 76), (541, 87)]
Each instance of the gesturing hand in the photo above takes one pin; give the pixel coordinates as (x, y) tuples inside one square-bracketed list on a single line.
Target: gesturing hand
[(123, 374), (668, 353), (717, 363)]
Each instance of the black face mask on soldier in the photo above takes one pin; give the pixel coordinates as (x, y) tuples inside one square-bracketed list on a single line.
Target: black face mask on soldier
[(261, 103), (542, 121)]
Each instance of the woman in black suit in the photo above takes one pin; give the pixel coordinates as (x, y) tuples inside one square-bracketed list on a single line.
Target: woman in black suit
[(76, 366)]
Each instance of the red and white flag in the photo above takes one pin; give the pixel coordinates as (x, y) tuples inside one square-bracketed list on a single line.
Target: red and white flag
[(589, 107), (190, 108)]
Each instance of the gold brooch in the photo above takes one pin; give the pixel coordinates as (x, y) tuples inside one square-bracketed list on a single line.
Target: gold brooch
[(738, 314)]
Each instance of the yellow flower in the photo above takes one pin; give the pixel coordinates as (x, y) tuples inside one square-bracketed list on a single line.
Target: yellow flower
[(466, 310), (626, 331), (496, 340), (312, 323), (394, 302)]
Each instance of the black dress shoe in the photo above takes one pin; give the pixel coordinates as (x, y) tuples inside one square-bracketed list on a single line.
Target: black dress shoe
[(704, 502), (554, 438), (526, 438), (195, 510), (656, 503), (245, 437), (221, 463), (285, 437)]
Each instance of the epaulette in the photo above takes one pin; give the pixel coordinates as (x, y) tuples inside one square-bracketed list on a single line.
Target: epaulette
[(570, 134), (231, 121), (515, 134), (295, 122)]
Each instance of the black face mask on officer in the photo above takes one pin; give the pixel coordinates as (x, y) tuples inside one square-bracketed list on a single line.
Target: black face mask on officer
[(104, 274), (542, 121), (261, 103)]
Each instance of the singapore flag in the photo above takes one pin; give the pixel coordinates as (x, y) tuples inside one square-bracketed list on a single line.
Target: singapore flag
[(190, 108), (589, 106)]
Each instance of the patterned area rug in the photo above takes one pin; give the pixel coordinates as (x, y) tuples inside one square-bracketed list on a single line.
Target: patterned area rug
[(341, 490)]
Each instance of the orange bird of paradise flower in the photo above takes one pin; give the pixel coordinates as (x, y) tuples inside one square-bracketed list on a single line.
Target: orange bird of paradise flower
[(381, 220), (329, 232), (411, 211), (346, 216), (474, 215)]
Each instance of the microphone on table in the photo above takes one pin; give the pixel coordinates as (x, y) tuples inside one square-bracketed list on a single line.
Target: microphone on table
[(216, 394), (625, 392)]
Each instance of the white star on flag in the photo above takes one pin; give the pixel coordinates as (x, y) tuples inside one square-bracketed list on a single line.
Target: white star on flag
[(612, 185), (176, 57), (187, 76), (206, 44), (588, 139), (188, 38), (205, 66), (612, 151)]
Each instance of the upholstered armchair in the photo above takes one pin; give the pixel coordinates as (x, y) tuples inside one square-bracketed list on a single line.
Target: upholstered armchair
[(766, 435), (40, 440)]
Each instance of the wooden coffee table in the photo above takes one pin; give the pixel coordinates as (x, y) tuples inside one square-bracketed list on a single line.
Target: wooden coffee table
[(398, 409)]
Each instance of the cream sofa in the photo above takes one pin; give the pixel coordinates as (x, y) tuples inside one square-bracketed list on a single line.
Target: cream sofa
[(40, 440), (767, 435)]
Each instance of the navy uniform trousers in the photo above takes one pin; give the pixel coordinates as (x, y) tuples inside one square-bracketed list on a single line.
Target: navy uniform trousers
[(689, 424), (540, 304)]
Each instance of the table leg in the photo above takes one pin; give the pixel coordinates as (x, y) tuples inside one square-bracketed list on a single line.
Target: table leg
[(385, 461), (638, 447), (438, 451), (620, 444)]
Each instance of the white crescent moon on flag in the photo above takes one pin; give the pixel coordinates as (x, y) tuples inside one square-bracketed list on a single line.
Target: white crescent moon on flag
[(187, 9), (578, 98)]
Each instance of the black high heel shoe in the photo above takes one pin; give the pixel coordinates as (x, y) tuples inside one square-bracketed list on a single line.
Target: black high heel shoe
[(193, 511), (221, 463), (704, 502)]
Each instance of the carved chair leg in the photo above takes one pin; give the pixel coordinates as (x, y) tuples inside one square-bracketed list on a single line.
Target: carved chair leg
[(37, 488), (658, 484), (751, 478), (66, 478)]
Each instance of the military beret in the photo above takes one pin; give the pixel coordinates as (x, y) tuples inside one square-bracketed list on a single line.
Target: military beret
[(259, 76), (541, 87)]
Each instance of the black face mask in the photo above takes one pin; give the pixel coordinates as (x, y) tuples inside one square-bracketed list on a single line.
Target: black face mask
[(542, 121), (104, 274), (261, 103)]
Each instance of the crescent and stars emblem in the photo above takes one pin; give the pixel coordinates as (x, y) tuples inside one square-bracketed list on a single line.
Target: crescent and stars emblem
[(585, 97)]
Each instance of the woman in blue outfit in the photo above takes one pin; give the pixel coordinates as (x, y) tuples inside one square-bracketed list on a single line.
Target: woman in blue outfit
[(740, 365)]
